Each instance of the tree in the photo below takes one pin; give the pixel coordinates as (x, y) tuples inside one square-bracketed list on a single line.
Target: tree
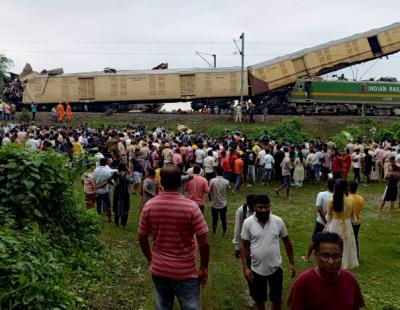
[(5, 63)]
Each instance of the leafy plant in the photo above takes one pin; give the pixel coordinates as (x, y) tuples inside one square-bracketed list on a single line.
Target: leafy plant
[(25, 116), (31, 276), (390, 133), (46, 233), (5, 63), (109, 112), (289, 131)]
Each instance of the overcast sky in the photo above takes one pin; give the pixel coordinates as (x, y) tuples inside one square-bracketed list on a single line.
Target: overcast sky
[(88, 35)]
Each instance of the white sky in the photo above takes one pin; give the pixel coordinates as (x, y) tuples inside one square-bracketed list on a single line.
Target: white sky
[(88, 35)]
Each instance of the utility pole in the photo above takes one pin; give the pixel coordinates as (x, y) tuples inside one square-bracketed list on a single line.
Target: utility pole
[(200, 54), (242, 71)]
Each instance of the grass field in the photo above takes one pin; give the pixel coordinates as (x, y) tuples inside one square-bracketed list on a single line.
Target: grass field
[(129, 285)]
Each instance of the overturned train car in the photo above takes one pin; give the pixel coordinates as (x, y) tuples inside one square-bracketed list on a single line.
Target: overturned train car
[(273, 80)]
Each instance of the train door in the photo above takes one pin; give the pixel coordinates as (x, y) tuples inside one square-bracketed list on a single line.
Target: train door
[(86, 89), (187, 86)]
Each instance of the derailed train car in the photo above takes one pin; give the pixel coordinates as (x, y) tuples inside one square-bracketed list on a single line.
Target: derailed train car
[(123, 89), (283, 71), (268, 83)]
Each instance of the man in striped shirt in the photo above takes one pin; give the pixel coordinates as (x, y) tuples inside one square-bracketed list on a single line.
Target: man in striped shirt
[(175, 223)]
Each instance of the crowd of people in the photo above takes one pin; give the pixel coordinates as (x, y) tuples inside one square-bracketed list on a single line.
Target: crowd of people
[(174, 170)]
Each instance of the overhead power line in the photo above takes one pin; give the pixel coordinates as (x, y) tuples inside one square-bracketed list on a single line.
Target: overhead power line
[(151, 42), (148, 53)]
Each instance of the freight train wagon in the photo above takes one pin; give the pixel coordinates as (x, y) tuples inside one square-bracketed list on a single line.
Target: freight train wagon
[(284, 71), (98, 90), (346, 97)]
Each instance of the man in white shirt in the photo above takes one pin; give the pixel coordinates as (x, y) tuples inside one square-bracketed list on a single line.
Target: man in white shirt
[(261, 162), (6, 139), (356, 163), (199, 156), (267, 168), (260, 235), (311, 162), (192, 163), (32, 143), (208, 166), (322, 206)]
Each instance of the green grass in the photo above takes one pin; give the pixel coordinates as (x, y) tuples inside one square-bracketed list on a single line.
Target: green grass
[(129, 285)]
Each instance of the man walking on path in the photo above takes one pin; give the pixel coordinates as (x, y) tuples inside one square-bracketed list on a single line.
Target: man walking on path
[(322, 207), (286, 166), (101, 175), (176, 225), (260, 234)]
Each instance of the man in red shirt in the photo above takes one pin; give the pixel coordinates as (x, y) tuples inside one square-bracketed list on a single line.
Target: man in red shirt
[(196, 188), (175, 224), (337, 168), (326, 286), (225, 164), (238, 172)]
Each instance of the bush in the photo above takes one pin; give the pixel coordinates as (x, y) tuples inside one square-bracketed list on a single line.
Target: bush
[(25, 116), (109, 112), (390, 133), (46, 233), (31, 276), (351, 132), (289, 131)]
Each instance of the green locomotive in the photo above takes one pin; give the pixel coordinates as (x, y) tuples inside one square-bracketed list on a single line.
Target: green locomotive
[(346, 97)]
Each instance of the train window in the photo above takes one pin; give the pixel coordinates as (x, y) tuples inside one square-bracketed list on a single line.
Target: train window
[(374, 44), (300, 85)]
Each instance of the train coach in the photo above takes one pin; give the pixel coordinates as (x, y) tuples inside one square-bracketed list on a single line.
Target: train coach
[(346, 97), (284, 71), (97, 90), (269, 83)]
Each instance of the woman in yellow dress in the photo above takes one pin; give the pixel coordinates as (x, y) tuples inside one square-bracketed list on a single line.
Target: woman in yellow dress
[(340, 215)]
